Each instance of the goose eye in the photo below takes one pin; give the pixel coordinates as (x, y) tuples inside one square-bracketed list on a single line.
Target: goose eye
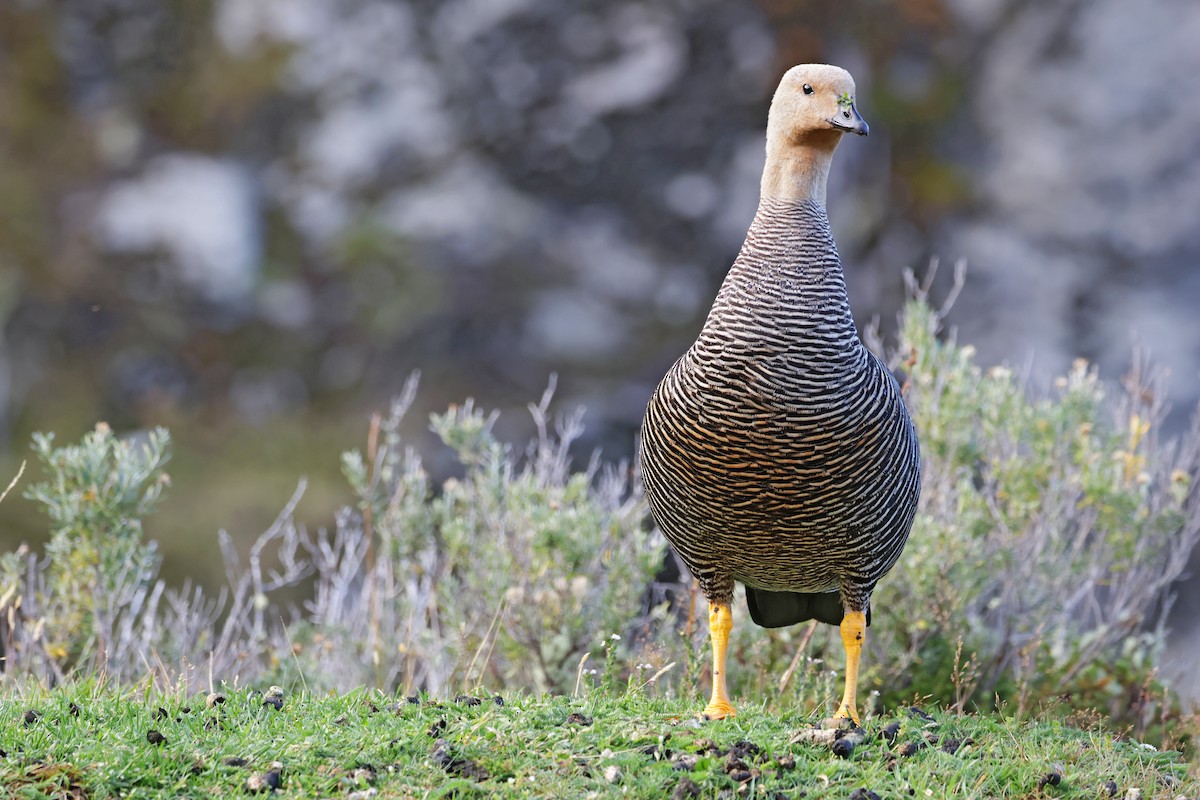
[(808, 89)]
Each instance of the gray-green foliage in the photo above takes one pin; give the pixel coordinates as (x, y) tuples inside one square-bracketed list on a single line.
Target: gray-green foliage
[(508, 572), (1050, 529), (505, 574), (97, 562)]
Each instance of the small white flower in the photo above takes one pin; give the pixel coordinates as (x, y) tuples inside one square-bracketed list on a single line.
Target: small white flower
[(616, 637)]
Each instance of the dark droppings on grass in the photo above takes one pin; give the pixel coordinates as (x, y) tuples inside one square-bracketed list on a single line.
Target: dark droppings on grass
[(1111, 788), (745, 775), (817, 736), (919, 714), (685, 762), (267, 781), (32, 716), (685, 788), (657, 752), (952, 745), (844, 745), (444, 756), (364, 773), (841, 741), (467, 700), (1049, 779), (155, 738), (741, 761), (863, 793), (274, 698), (734, 764), (744, 749), (73, 710), (556, 746)]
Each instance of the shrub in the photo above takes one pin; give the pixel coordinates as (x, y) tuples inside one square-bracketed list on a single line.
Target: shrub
[(1050, 530), (504, 576), (98, 568)]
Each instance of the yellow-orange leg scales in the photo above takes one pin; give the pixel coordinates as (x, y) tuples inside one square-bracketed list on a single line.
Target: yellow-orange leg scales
[(854, 630), (720, 623)]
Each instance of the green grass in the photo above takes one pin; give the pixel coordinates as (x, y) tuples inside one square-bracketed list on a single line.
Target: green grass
[(90, 741)]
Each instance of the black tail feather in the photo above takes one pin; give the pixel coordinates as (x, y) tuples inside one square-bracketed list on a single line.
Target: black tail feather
[(778, 609)]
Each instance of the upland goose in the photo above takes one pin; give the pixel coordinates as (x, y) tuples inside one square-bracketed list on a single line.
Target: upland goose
[(777, 451)]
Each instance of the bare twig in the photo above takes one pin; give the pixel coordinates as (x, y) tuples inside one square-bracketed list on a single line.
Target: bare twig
[(13, 482), (800, 649)]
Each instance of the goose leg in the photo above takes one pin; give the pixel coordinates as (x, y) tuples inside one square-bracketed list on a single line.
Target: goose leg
[(854, 630), (720, 623)]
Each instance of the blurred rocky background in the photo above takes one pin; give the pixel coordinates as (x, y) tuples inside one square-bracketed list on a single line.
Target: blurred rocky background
[(250, 220)]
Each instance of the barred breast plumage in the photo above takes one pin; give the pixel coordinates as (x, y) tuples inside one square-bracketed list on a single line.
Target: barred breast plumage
[(777, 451)]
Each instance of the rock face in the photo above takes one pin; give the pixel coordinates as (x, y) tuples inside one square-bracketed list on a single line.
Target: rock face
[(591, 164), (1084, 234), (201, 212), (564, 186)]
